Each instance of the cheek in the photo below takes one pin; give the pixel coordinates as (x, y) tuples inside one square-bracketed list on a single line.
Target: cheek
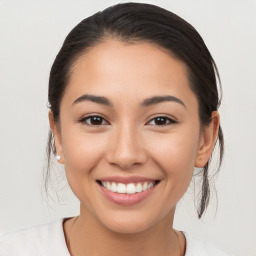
[(176, 155), (82, 151)]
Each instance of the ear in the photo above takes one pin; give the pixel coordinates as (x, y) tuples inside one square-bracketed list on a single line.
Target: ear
[(207, 141), (57, 137)]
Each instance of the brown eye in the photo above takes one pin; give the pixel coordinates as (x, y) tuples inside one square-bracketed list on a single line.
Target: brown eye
[(94, 120), (161, 121)]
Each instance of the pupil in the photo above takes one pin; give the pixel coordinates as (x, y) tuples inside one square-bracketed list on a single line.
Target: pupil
[(161, 121), (96, 120)]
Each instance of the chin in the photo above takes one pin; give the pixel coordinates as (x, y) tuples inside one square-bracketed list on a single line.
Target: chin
[(127, 227), (128, 223)]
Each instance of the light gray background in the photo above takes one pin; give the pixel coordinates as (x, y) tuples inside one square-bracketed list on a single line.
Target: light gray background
[(31, 33)]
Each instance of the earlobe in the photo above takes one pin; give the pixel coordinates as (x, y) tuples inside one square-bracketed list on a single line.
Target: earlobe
[(207, 141), (56, 137)]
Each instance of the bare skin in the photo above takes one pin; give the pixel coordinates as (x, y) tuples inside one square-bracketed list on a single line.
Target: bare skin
[(126, 244), (133, 135)]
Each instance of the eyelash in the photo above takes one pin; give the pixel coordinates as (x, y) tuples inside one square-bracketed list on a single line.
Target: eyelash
[(84, 120), (102, 119), (161, 118)]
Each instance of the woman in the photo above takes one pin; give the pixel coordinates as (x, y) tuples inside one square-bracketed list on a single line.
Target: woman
[(133, 110)]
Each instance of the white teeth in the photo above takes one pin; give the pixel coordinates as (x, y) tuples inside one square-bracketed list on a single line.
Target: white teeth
[(121, 188), (145, 186), (113, 187), (150, 185), (138, 188), (130, 188), (108, 185)]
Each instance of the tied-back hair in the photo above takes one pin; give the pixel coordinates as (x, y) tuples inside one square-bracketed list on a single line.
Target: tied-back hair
[(138, 22)]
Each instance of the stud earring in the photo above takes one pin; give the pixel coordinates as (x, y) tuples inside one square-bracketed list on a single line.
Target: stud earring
[(58, 158)]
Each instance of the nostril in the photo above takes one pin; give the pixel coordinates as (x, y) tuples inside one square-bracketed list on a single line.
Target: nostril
[(126, 152)]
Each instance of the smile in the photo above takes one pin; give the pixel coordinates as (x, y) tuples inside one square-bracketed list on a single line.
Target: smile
[(127, 191), (130, 188)]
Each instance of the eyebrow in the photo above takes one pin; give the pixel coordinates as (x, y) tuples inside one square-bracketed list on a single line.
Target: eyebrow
[(93, 98), (160, 99), (147, 102)]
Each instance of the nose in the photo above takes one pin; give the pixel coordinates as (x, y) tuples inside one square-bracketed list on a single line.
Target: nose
[(126, 148)]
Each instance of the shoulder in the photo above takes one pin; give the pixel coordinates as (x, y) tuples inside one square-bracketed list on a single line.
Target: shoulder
[(196, 247), (46, 239)]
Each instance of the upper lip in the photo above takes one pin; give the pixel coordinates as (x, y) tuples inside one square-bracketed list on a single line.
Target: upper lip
[(127, 180)]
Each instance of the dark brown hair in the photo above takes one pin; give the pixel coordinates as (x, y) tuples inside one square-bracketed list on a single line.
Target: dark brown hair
[(136, 22)]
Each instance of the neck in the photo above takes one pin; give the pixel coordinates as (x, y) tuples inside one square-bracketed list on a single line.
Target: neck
[(90, 237)]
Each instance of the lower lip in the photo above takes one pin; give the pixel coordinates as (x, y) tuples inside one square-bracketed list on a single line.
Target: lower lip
[(127, 199)]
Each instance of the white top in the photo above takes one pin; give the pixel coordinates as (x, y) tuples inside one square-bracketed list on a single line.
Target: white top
[(49, 240)]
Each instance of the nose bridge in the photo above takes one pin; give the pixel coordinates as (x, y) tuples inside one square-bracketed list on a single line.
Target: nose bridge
[(126, 147)]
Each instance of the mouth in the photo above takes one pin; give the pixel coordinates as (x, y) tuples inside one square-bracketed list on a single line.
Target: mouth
[(127, 188)]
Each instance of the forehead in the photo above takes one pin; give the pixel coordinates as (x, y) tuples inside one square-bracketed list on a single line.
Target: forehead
[(139, 70)]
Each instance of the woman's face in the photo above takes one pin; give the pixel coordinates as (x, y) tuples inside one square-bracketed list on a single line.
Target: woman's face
[(129, 120)]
